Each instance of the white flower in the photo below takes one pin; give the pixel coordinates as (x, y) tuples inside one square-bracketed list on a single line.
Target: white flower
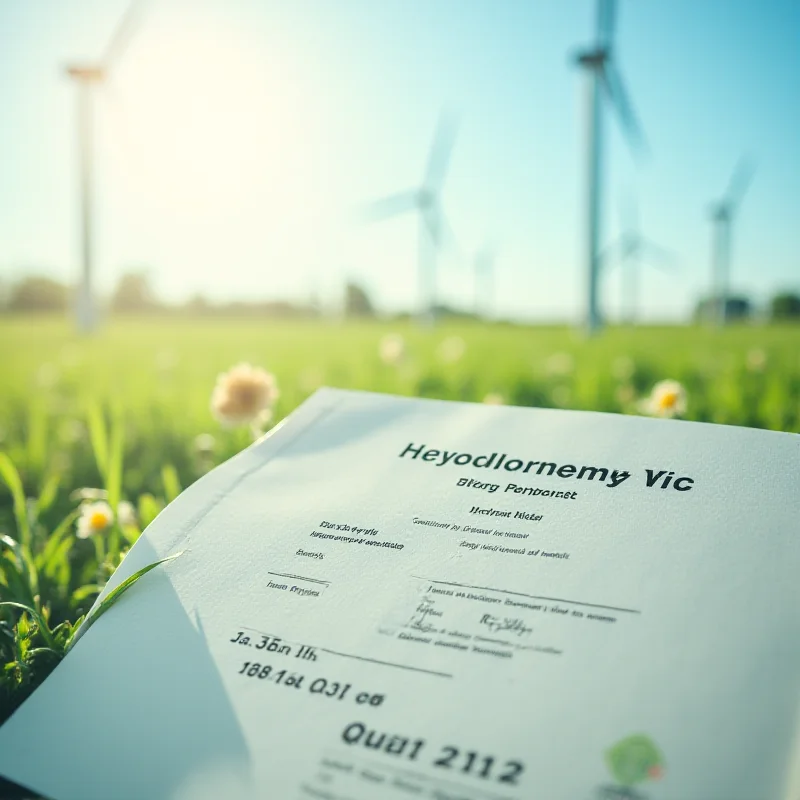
[(756, 359), (126, 514), (88, 493), (451, 349), (244, 396), (494, 399), (392, 348), (204, 444), (668, 399), (559, 364), (94, 518)]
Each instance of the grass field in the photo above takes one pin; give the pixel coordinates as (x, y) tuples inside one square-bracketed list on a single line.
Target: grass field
[(122, 412)]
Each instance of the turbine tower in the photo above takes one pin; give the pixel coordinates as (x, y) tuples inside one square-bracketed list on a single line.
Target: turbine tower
[(722, 214), (88, 77), (426, 201), (604, 84), (631, 252)]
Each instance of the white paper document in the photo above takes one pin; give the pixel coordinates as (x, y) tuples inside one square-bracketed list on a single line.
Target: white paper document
[(412, 599)]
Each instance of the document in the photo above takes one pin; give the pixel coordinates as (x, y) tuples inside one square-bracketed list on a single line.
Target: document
[(414, 599)]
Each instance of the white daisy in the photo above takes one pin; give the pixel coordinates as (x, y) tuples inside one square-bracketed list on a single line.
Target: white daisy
[(668, 399), (204, 444), (392, 348), (88, 493), (756, 359), (95, 518), (126, 514), (560, 364), (451, 349)]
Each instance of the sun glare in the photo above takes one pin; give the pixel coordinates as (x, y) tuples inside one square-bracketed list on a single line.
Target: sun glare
[(199, 118)]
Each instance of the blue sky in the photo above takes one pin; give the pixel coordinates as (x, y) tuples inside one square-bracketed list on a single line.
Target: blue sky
[(237, 137)]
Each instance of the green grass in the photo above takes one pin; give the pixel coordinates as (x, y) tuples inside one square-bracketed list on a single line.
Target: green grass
[(120, 411)]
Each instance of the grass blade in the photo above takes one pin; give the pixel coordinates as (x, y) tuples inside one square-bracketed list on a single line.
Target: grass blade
[(48, 492), (83, 592), (14, 584), (113, 474), (44, 558), (26, 567), (37, 434), (10, 475), (172, 484), (40, 621), (114, 596), (98, 436), (149, 509)]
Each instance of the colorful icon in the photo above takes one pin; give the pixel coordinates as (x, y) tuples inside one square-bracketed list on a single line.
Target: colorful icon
[(632, 761)]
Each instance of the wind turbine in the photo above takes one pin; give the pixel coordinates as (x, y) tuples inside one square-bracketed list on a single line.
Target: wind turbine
[(88, 77), (722, 214), (632, 251), (603, 83), (426, 201), (484, 281)]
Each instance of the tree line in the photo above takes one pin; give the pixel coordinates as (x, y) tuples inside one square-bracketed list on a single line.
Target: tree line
[(134, 294)]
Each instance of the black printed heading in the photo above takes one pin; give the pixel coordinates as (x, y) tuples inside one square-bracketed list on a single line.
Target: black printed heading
[(612, 478)]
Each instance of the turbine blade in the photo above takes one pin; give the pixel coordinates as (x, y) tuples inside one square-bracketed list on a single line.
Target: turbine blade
[(390, 206), (121, 38), (606, 21), (441, 151), (740, 181), (620, 99)]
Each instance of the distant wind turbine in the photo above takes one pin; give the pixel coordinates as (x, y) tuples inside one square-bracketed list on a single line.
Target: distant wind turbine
[(603, 80), (426, 200), (88, 76), (722, 214), (484, 281), (632, 251)]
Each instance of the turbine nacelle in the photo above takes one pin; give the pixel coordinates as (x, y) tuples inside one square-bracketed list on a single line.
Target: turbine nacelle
[(593, 59), (426, 199), (721, 212), (88, 77), (86, 73), (607, 88)]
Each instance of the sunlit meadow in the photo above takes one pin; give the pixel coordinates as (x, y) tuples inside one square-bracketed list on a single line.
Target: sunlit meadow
[(98, 434)]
